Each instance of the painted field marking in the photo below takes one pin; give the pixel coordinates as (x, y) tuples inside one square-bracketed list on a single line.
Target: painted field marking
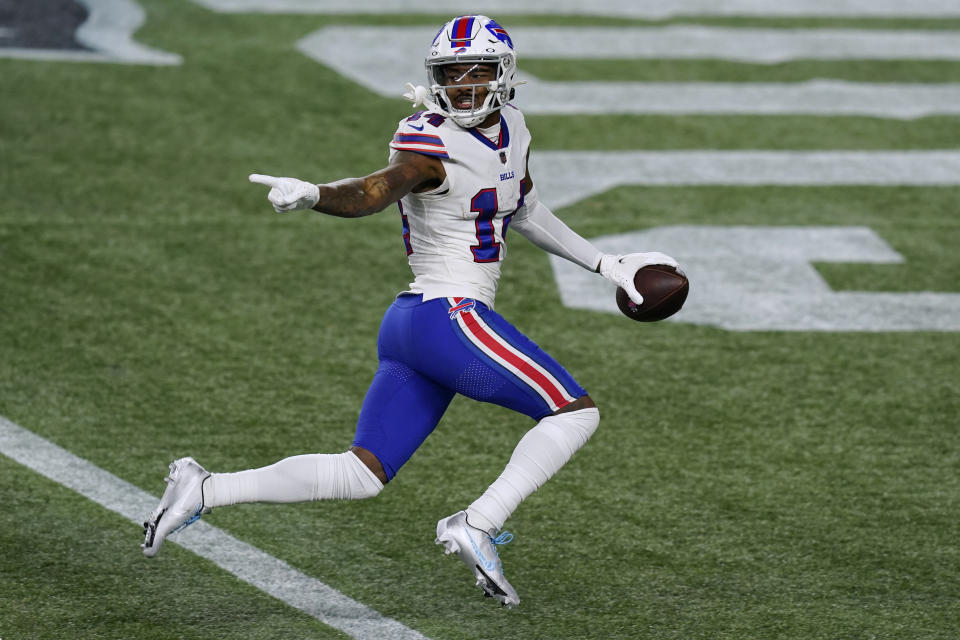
[(253, 566), (652, 9), (565, 177), (381, 59), (740, 44), (758, 278), (904, 101), (108, 31)]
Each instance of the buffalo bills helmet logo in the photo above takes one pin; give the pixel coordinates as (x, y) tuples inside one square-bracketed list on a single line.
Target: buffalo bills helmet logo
[(499, 33)]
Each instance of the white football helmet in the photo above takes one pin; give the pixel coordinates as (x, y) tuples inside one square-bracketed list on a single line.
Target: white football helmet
[(474, 40)]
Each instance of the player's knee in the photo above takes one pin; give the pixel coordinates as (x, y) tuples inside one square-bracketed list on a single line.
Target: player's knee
[(366, 490), (371, 462), (580, 415), (590, 419), (583, 402), (362, 478)]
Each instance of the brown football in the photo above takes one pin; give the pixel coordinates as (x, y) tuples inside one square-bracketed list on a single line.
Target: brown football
[(663, 289)]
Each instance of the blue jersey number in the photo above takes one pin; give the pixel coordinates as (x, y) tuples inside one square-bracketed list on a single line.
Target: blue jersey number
[(484, 204), (406, 229)]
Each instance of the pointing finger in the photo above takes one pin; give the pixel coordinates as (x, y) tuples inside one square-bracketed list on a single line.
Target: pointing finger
[(269, 181)]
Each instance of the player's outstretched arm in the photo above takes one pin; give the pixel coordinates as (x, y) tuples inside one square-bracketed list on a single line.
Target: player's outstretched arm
[(541, 227), (355, 197)]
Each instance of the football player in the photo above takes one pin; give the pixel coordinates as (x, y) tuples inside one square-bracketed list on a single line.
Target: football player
[(459, 174)]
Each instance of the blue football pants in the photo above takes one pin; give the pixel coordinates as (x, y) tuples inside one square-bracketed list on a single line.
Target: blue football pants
[(431, 350)]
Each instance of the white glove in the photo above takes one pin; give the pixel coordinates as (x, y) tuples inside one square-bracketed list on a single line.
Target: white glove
[(621, 269), (288, 194)]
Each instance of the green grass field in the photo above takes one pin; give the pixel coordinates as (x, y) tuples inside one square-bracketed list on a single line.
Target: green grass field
[(741, 486)]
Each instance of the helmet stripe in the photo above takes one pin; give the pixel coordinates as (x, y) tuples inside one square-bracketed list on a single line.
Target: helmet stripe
[(460, 34)]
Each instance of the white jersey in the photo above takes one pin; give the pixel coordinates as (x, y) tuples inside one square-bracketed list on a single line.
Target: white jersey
[(454, 234)]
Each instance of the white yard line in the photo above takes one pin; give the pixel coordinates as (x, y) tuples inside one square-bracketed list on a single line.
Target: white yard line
[(741, 44), (245, 561), (902, 101), (369, 44), (382, 59), (54, 55), (652, 9), (565, 177)]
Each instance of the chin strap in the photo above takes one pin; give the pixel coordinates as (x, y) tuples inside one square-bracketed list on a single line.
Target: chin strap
[(421, 95)]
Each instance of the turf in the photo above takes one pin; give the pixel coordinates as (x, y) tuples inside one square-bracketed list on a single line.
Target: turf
[(742, 485)]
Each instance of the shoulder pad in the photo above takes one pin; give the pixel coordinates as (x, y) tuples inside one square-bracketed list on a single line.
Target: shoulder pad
[(420, 133)]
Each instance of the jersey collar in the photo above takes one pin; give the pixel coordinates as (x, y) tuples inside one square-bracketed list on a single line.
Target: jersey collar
[(502, 141)]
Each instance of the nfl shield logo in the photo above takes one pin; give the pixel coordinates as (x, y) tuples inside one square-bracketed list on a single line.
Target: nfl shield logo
[(503, 157)]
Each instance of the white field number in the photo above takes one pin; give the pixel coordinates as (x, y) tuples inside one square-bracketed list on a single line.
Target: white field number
[(763, 279)]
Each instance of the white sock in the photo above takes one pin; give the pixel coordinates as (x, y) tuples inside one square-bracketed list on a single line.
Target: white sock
[(539, 454), (340, 476)]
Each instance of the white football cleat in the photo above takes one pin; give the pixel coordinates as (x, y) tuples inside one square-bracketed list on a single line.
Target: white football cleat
[(181, 504), (477, 549)]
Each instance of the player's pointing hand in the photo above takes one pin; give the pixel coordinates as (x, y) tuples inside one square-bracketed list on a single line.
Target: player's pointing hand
[(288, 194)]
